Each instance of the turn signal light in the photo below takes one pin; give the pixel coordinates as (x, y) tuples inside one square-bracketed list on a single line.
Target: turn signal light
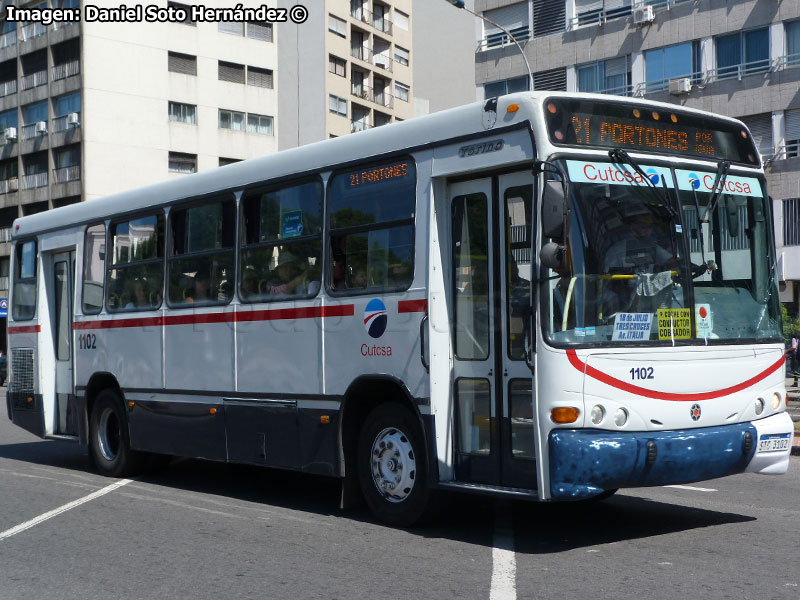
[(212, 410), (325, 419), (565, 414), (512, 108)]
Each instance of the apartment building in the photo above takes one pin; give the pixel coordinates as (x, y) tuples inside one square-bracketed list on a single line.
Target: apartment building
[(348, 68), (89, 109), (739, 58)]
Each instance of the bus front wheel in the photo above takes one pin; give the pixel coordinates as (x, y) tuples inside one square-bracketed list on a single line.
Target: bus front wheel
[(109, 445), (392, 469)]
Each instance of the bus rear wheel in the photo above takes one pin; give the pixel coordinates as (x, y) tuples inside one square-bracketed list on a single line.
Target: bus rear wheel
[(109, 445), (392, 468)]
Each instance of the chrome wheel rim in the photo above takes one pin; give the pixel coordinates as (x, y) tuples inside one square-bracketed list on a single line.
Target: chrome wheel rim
[(393, 465), (108, 434)]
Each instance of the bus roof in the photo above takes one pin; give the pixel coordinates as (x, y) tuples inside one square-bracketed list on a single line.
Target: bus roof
[(430, 129)]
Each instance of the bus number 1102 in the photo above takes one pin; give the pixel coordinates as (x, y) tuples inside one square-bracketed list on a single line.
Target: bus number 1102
[(642, 373), (87, 341)]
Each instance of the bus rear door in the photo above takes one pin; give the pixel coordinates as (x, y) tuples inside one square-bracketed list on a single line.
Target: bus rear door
[(493, 391)]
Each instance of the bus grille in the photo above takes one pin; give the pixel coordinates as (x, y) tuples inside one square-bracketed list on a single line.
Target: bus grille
[(21, 371)]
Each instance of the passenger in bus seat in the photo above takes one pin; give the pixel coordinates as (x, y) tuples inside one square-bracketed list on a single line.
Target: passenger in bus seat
[(201, 285), (289, 277), (140, 296)]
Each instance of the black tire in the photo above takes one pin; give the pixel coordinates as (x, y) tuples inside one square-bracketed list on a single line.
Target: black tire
[(400, 461), (109, 444)]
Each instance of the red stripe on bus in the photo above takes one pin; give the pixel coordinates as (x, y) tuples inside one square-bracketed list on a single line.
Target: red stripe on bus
[(409, 306), (309, 312), (673, 397), (25, 329)]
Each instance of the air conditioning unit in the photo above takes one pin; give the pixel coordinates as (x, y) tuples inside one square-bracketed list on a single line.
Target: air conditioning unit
[(41, 127), (381, 62), (10, 133), (73, 119), (680, 86), (644, 15), (13, 185)]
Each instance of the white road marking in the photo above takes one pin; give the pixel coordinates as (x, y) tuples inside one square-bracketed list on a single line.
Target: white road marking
[(62, 509), (504, 562), (691, 488)]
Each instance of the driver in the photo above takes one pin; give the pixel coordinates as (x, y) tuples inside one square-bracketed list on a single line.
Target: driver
[(641, 250)]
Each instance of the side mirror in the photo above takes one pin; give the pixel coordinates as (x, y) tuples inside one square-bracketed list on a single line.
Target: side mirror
[(554, 207), (553, 256)]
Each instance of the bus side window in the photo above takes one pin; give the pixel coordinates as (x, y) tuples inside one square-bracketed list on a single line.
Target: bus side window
[(281, 243), (371, 227), (24, 306), (200, 266), (136, 271), (94, 268)]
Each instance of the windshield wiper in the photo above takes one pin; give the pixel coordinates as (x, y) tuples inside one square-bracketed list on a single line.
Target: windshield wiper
[(716, 191), (618, 155)]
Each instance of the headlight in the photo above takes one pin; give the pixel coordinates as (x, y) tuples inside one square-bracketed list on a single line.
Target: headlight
[(620, 417), (776, 401), (598, 414), (759, 405)]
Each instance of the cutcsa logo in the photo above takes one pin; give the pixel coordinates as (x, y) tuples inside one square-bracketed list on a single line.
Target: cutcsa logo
[(375, 318)]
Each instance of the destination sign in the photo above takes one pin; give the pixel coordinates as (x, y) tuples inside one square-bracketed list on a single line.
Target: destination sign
[(377, 174), (592, 123)]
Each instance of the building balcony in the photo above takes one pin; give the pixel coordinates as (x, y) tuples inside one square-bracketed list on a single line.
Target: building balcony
[(381, 60), (34, 180), (356, 126), (32, 30), (7, 186), (8, 39), (5, 236), (11, 138), (65, 174), (34, 79), (380, 96), (381, 23), (66, 69), (33, 130), (66, 122), (7, 88)]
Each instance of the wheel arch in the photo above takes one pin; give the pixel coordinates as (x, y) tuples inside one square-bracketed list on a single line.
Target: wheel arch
[(364, 394), (97, 383)]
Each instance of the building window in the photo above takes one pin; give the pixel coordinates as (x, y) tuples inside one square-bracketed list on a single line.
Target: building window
[(180, 162), (401, 19), (611, 76), (506, 86), (337, 26), (34, 120), (231, 27), (552, 79), (188, 11), (672, 62), (231, 72), (337, 66), (9, 118), (260, 31), (791, 222), (514, 18), (793, 43), (382, 119), (401, 91), (337, 106), (599, 11), (231, 119), (260, 124), (183, 113), (760, 127), (743, 53), (792, 125), (66, 111), (549, 16), (401, 55), (259, 77), (67, 163), (182, 63), (224, 162)]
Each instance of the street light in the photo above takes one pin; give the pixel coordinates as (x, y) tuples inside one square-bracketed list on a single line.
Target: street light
[(460, 4)]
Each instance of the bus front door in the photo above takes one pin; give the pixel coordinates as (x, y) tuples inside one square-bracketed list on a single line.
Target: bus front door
[(493, 391), (63, 292)]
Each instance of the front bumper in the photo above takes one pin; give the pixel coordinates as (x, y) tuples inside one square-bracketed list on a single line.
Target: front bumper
[(586, 462)]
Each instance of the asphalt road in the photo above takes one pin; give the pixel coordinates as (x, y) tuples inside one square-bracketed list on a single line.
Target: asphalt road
[(203, 530)]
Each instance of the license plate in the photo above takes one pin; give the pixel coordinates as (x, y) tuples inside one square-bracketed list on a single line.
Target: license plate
[(775, 442)]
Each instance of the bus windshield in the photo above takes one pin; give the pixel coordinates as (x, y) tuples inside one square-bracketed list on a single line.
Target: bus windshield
[(663, 263)]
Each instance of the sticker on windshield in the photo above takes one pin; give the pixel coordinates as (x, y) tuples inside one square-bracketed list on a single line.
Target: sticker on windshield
[(632, 326), (616, 174), (702, 317), (674, 324), (704, 182)]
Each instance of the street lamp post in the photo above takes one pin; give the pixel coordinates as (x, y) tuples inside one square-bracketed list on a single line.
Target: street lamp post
[(460, 4)]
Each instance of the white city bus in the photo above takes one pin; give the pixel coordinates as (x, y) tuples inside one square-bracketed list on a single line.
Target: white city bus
[(496, 298)]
